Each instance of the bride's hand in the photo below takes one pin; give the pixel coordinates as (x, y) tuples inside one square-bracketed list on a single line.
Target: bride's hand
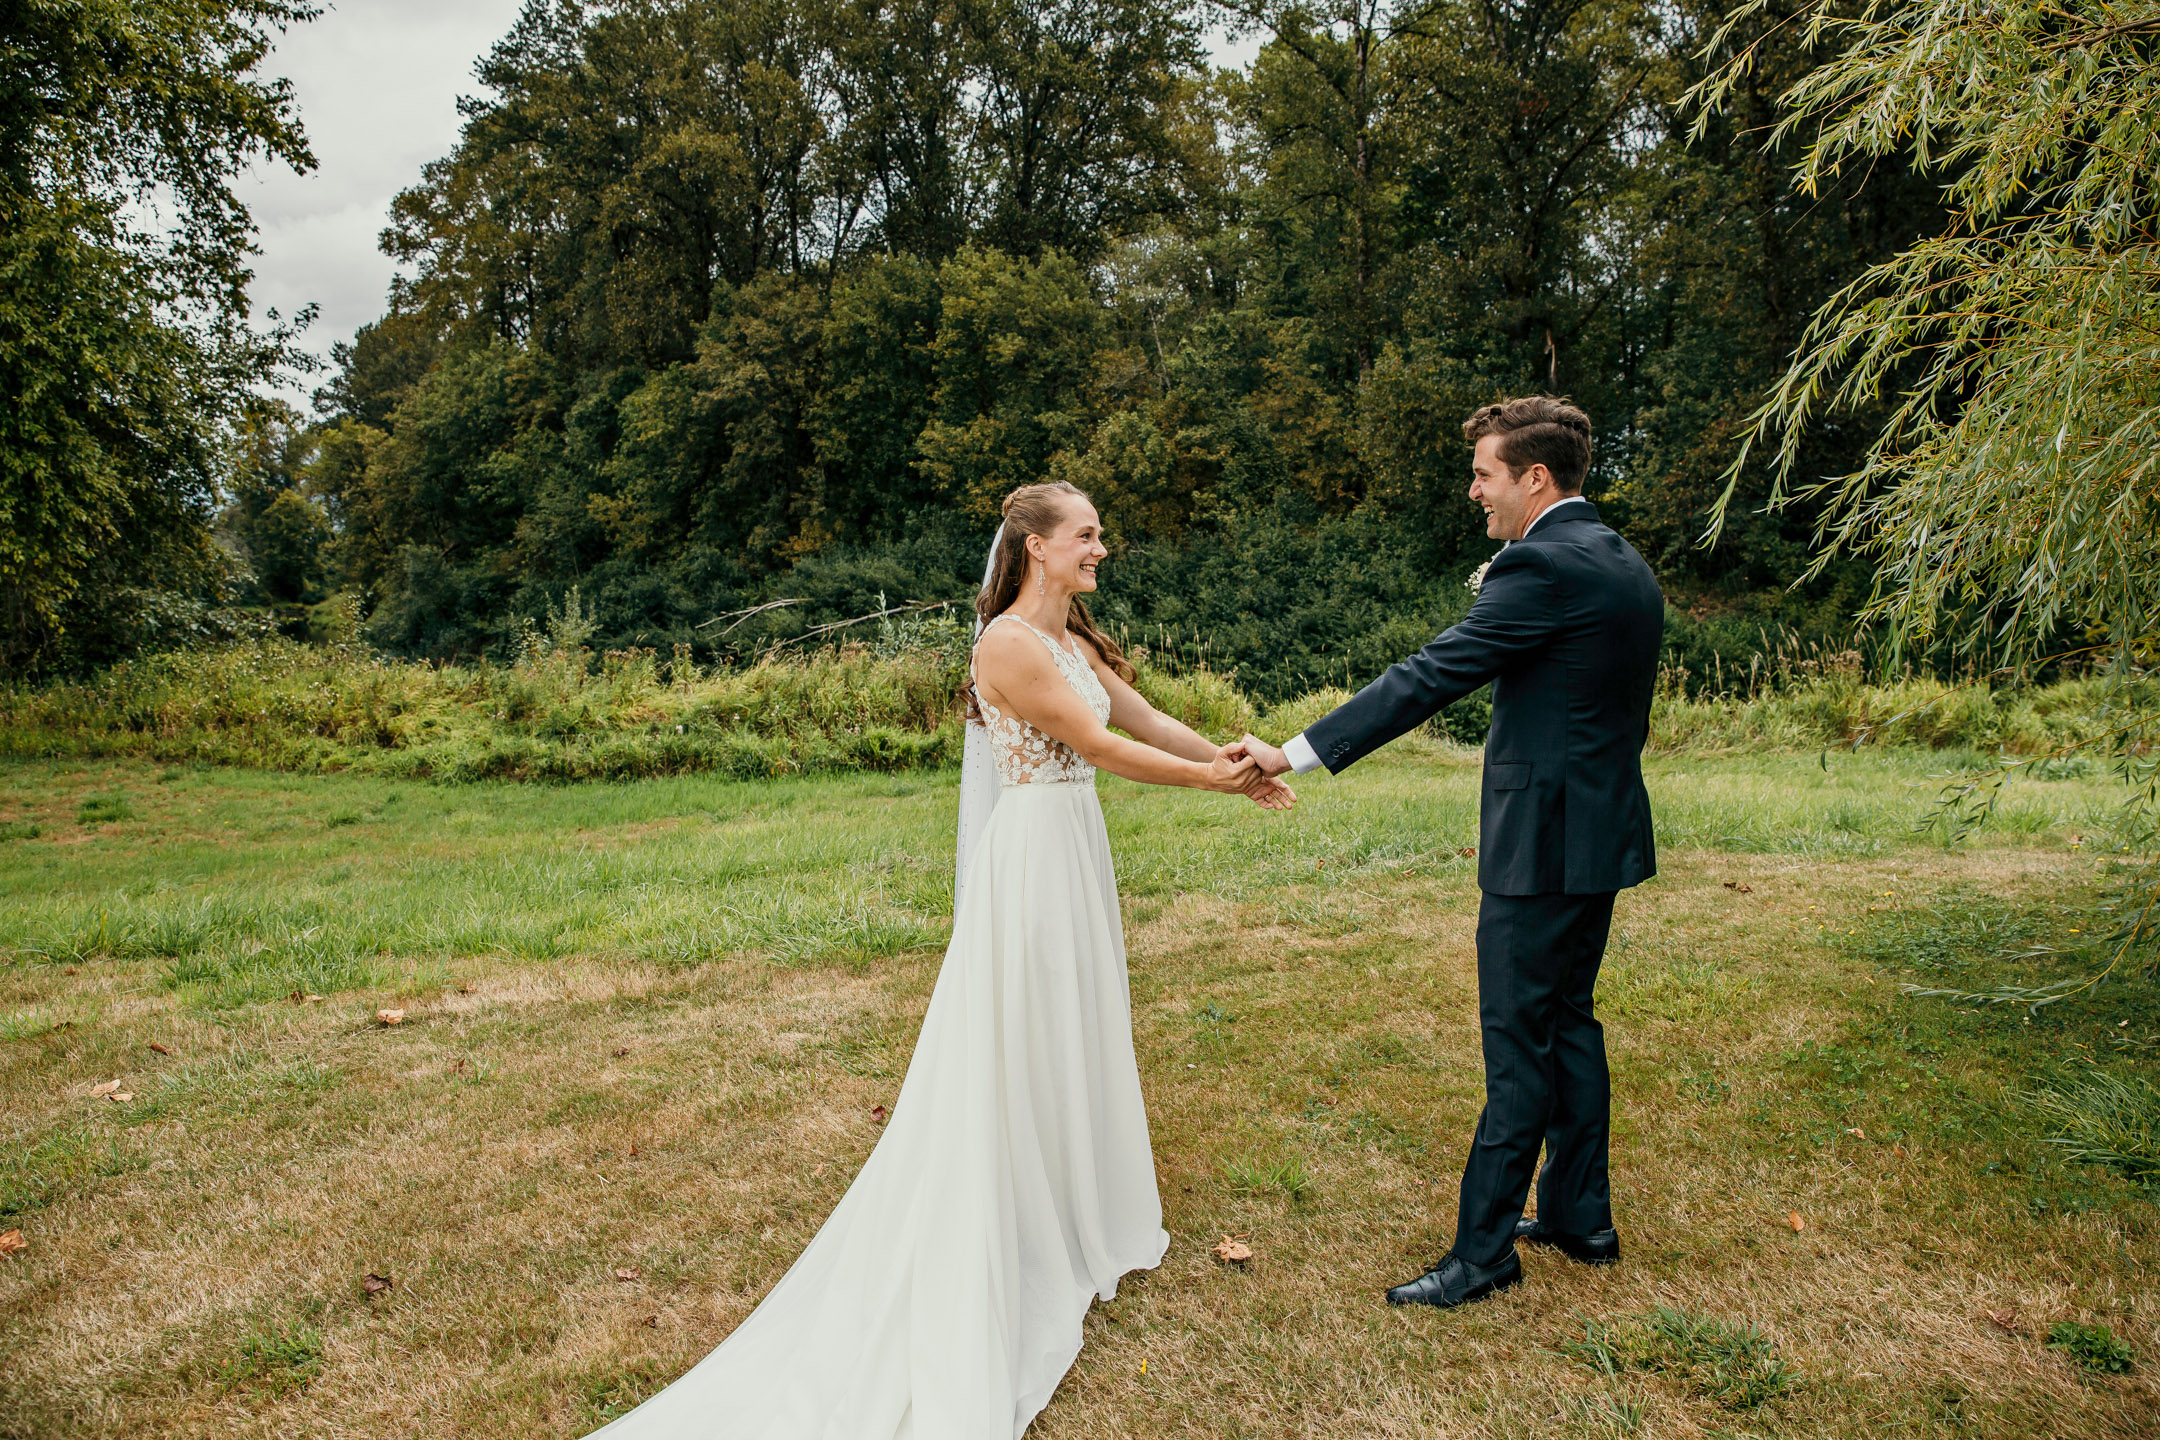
[(1232, 771), (1272, 794)]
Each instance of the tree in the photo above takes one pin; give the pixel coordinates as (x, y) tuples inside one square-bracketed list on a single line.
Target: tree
[(1014, 354), (1315, 96), (1077, 136), (126, 351), (2009, 494)]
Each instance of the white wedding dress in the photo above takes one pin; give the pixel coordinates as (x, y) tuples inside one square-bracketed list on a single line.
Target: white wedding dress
[(1014, 1183)]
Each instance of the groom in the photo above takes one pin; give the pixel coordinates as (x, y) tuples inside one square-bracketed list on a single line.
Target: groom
[(1567, 627)]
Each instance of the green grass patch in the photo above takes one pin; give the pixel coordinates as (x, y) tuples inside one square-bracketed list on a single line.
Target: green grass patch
[(1284, 1178), (65, 1163), (274, 1361), (617, 1390), (1728, 1362), (103, 809)]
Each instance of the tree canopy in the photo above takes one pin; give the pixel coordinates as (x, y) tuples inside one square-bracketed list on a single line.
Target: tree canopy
[(2008, 496), (717, 302), (126, 346)]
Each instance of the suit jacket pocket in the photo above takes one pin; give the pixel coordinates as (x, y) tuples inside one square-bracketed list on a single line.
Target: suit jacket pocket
[(1507, 775)]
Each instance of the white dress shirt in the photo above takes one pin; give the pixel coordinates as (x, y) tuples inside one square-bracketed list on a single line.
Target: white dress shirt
[(1298, 750)]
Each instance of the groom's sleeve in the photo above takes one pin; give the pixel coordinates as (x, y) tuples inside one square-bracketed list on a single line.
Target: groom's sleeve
[(1515, 612)]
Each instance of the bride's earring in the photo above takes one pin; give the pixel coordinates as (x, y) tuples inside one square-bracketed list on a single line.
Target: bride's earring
[(1039, 588)]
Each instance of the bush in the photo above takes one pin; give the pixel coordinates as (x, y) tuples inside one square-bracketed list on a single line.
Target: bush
[(1208, 702), (561, 713)]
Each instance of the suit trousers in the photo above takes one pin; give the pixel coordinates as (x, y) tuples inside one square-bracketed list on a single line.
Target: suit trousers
[(1546, 1084)]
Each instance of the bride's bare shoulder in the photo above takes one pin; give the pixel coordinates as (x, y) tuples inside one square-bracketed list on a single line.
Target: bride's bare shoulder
[(1010, 646)]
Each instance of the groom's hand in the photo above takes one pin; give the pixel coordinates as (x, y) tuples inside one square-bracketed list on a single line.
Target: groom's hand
[(1261, 788), (1271, 758)]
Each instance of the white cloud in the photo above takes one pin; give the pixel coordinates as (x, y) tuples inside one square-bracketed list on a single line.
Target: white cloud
[(377, 83)]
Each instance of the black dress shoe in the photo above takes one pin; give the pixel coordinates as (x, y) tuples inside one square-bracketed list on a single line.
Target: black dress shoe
[(1600, 1249), (1455, 1281)]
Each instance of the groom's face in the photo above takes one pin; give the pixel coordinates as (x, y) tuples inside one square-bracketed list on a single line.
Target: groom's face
[(1511, 501)]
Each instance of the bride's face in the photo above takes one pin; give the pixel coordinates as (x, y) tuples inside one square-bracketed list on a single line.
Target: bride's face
[(1070, 554)]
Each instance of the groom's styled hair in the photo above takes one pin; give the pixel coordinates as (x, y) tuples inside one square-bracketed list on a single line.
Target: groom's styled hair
[(1537, 430)]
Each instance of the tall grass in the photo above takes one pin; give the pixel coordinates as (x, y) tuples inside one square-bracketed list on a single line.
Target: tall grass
[(561, 713), (2108, 1120), (558, 714)]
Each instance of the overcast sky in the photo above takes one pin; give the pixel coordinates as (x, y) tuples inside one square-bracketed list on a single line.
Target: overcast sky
[(377, 82)]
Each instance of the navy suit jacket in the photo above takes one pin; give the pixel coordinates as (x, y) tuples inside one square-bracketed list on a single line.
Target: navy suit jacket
[(1567, 627)]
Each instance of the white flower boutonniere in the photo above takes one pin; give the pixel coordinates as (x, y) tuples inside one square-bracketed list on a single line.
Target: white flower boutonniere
[(1476, 582)]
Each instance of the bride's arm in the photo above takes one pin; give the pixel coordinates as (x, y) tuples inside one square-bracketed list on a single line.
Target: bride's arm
[(1015, 673), (1130, 712)]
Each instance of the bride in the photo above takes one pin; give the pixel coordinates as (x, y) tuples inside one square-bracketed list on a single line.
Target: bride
[(944, 1296)]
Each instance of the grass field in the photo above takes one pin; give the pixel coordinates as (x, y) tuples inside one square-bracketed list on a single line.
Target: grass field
[(646, 1024)]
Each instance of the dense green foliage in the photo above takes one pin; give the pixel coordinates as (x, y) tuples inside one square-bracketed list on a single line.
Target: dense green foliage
[(126, 348), (2008, 497), (715, 305)]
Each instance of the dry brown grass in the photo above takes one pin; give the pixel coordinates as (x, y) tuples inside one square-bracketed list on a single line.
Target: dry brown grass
[(508, 1146)]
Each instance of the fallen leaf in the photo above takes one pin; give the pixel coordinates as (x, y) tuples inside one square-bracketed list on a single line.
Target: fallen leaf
[(1737, 886), (468, 989), (633, 1149), (1319, 865), (1232, 1251), (310, 999), (121, 1097), (159, 1048), (1467, 852), (390, 1017), (2004, 1319), (880, 1114), (1898, 1150), (12, 1243), (1856, 1130), (650, 1322), (628, 1272), (376, 1284), (103, 1088), (1796, 1222), (621, 1050), (69, 971)]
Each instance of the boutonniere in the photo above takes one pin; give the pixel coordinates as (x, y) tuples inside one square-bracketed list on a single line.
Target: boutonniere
[(1476, 582)]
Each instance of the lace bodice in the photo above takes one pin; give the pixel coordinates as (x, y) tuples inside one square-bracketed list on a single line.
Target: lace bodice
[(1025, 755)]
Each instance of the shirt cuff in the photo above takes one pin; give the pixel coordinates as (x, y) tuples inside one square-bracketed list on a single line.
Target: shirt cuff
[(1299, 753)]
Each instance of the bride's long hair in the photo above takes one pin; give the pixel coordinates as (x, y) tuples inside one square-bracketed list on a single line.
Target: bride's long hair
[(1038, 510)]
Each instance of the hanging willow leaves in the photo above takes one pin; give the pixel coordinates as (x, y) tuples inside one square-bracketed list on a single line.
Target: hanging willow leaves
[(2008, 500)]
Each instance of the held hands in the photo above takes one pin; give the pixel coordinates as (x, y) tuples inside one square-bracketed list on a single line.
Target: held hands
[(1236, 770), (1271, 759)]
